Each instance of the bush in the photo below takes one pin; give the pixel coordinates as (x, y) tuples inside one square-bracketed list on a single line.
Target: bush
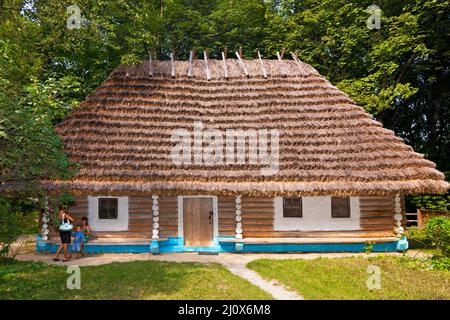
[(14, 225), (418, 238), (437, 230)]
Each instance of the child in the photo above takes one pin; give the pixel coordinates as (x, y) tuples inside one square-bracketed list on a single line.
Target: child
[(86, 231), (77, 237)]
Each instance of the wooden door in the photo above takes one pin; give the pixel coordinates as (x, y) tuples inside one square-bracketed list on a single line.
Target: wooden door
[(198, 222)]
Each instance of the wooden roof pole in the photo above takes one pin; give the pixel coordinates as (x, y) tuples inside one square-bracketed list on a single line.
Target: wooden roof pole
[(172, 57), (280, 59), (298, 62), (224, 64), (242, 64), (191, 56), (205, 56), (150, 67), (262, 64)]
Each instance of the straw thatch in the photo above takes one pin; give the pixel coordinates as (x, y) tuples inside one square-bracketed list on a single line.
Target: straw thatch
[(121, 134)]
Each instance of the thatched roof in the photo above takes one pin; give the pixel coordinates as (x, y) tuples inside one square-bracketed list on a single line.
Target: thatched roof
[(121, 134)]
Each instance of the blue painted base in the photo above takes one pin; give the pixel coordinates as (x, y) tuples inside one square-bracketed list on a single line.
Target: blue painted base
[(176, 244)]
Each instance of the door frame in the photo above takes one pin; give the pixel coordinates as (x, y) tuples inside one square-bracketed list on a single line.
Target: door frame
[(215, 215)]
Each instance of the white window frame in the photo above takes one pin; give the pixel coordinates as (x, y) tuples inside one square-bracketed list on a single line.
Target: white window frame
[(316, 216), (119, 224)]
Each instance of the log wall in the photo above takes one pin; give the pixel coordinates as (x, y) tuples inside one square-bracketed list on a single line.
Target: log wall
[(257, 218)]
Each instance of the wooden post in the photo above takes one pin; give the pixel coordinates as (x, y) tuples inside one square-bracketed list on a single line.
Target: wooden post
[(191, 56), (242, 64), (241, 52), (298, 62), (238, 218), (155, 210), (208, 75), (224, 65), (150, 67), (398, 217), (419, 219), (262, 65), (280, 59), (45, 231), (172, 57)]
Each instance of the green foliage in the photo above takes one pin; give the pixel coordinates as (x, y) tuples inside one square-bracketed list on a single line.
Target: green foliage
[(368, 247), (440, 262), (417, 238), (30, 148), (430, 201), (14, 224), (399, 73), (437, 230)]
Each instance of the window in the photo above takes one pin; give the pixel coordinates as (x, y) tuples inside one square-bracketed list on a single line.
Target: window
[(107, 208), (292, 208), (340, 207)]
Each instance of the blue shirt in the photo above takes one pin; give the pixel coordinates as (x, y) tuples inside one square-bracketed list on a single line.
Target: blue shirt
[(78, 237)]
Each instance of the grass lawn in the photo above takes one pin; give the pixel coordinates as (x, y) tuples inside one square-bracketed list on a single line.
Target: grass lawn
[(129, 280), (345, 278)]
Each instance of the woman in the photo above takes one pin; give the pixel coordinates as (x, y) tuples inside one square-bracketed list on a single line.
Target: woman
[(65, 230)]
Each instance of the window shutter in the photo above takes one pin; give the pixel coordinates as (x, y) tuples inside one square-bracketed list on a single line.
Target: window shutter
[(108, 208), (340, 207), (292, 208)]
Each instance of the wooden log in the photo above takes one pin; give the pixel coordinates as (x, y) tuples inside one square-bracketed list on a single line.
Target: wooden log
[(205, 56), (225, 71), (241, 63), (262, 65)]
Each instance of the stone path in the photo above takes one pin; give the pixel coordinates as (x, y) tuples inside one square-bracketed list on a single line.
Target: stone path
[(235, 263)]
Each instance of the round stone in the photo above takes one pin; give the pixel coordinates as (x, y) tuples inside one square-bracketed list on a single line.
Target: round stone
[(238, 207), (155, 212), (238, 218), (44, 226), (155, 232), (155, 219), (239, 225), (398, 217), (155, 225), (154, 197), (44, 238), (45, 219), (238, 200), (155, 207), (155, 202), (238, 230), (238, 212)]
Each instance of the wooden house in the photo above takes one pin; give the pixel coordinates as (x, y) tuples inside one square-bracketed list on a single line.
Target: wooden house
[(335, 180)]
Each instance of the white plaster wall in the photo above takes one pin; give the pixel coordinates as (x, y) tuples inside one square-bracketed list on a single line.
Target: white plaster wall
[(316, 216), (119, 224)]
